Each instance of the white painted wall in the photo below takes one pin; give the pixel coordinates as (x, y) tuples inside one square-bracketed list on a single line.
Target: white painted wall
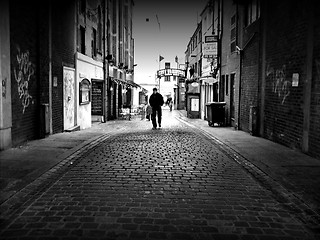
[(87, 68)]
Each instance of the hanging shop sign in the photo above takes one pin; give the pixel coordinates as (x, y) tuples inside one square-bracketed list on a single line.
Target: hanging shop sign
[(210, 46)]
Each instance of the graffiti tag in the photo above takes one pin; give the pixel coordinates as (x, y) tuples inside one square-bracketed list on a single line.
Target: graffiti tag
[(23, 73), (280, 86)]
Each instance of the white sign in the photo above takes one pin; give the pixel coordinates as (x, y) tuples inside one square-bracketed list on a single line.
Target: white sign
[(210, 49), (194, 104), (295, 80)]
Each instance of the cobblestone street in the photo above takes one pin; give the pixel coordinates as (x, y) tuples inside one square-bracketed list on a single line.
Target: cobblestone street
[(170, 183)]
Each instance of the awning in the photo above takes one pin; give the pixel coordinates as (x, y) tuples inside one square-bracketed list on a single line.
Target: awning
[(133, 84), (126, 83), (209, 80)]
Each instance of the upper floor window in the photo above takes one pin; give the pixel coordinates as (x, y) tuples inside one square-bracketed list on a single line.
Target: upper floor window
[(99, 40), (94, 42), (83, 6), (82, 40), (252, 12), (167, 78)]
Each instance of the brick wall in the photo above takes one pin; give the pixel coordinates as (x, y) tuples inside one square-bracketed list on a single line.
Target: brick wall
[(24, 55), (285, 55), (63, 52), (314, 132)]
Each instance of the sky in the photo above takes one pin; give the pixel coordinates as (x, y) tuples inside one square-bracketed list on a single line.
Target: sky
[(162, 28)]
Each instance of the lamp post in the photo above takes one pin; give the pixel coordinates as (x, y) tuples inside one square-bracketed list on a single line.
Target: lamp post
[(176, 60)]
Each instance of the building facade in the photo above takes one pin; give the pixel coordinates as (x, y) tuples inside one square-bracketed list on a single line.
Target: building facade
[(267, 69), (63, 65), (210, 58)]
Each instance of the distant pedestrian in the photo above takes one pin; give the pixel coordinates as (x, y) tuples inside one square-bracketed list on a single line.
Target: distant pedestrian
[(156, 101), (149, 112), (169, 103)]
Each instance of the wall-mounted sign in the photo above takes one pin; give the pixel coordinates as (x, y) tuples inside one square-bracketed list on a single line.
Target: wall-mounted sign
[(84, 91), (55, 81), (97, 97), (295, 79), (195, 104)]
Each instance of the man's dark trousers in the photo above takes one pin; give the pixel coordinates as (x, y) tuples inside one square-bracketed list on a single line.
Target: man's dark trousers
[(155, 111)]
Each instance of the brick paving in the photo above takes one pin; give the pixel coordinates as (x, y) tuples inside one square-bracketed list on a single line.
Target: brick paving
[(173, 183)]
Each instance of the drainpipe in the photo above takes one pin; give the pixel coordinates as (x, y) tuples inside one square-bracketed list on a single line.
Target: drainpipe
[(240, 66), (219, 30), (104, 60), (50, 65), (240, 74), (105, 63)]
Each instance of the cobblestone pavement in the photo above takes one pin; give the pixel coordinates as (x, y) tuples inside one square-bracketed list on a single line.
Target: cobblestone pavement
[(173, 183)]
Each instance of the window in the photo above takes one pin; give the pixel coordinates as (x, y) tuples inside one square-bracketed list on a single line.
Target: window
[(233, 34), (174, 78), (167, 78), (82, 42), (83, 7), (142, 98), (99, 40), (94, 43), (227, 85), (252, 12)]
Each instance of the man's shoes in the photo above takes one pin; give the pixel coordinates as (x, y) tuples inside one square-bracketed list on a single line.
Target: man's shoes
[(154, 128), (159, 124)]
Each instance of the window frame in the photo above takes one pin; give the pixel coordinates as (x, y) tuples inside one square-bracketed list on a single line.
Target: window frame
[(84, 91)]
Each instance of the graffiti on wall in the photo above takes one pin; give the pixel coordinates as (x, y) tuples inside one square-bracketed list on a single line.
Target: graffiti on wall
[(280, 85), (23, 73), (69, 93)]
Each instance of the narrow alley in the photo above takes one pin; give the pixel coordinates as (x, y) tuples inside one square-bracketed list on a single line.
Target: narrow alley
[(136, 183)]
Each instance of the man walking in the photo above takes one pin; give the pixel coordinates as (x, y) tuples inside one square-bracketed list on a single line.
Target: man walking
[(156, 101)]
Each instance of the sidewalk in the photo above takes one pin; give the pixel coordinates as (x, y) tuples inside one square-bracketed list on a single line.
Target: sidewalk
[(21, 165), (295, 171)]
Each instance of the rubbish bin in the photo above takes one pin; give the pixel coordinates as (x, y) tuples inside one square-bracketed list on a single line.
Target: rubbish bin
[(215, 113)]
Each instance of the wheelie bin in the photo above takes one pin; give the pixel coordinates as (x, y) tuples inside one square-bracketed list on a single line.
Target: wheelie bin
[(215, 113)]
